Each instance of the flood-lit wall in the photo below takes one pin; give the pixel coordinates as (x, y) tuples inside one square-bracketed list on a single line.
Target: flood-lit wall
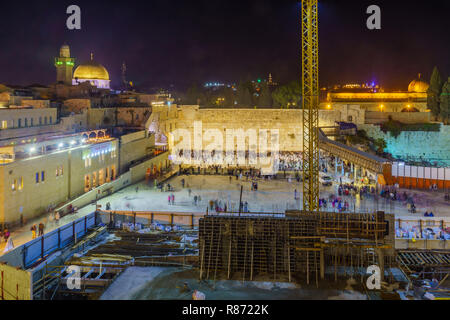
[(287, 121), (432, 146)]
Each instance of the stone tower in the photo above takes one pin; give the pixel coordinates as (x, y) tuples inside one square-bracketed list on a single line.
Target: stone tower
[(64, 65)]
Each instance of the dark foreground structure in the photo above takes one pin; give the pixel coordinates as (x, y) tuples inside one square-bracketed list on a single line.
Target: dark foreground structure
[(302, 246)]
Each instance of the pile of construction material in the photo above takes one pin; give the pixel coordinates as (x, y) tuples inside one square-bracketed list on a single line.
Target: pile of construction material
[(144, 245)]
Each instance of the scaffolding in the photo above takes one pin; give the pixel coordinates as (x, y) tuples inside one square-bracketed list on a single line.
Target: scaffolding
[(301, 245)]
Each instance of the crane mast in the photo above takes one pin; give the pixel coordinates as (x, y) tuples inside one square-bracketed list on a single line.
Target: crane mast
[(310, 105)]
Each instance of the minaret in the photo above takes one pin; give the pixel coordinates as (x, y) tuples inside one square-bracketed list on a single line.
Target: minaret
[(64, 65)]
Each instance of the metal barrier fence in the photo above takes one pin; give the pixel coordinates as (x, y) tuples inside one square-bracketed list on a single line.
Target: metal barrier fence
[(169, 218), (149, 217), (41, 247)]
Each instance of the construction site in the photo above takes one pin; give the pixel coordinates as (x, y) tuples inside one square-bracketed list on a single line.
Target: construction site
[(307, 254), (148, 255), (299, 246)]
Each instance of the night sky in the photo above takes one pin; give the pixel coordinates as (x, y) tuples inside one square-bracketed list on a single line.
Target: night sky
[(178, 42)]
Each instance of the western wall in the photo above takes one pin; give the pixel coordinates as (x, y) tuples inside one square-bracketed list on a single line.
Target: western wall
[(287, 121)]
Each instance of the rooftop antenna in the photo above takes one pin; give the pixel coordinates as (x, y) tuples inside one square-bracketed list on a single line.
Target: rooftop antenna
[(124, 70)]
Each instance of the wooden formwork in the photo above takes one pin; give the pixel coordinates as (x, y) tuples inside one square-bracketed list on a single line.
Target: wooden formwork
[(279, 248), (434, 263)]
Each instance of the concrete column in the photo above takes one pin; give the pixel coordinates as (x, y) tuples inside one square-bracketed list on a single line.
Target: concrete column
[(342, 168), (355, 174), (380, 254), (322, 265)]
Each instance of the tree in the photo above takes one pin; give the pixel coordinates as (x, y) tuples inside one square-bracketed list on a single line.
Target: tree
[(434, 92), (244, 96), (445, 102), (265, 98), (207, 98), (229, 97), (287, 95), (247, 98), (193, 95), (380, 145)]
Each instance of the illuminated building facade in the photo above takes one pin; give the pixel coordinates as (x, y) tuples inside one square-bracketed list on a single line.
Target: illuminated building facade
[(44, 174), (375, 99), (38, 174)]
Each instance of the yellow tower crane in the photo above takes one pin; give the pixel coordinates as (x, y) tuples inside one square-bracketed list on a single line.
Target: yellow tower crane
[(310, 105)]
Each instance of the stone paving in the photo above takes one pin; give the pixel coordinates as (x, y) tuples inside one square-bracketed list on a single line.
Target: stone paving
[(272, 196)]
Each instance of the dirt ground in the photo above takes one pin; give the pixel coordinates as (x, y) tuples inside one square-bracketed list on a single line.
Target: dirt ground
[(154, 283)]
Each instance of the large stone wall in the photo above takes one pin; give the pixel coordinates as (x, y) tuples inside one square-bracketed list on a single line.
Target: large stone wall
[(287, 121), (430, 146), (388, 106), (416, 145), (126, 116), (375, 117), (134, 147)]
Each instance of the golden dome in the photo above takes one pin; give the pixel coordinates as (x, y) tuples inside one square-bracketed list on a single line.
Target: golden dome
[(418, 86), (91, 70)]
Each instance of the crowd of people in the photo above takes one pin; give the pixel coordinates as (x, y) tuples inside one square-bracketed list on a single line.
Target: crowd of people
[(413, 230), (335, 203), (226, 207), (290, 161)]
